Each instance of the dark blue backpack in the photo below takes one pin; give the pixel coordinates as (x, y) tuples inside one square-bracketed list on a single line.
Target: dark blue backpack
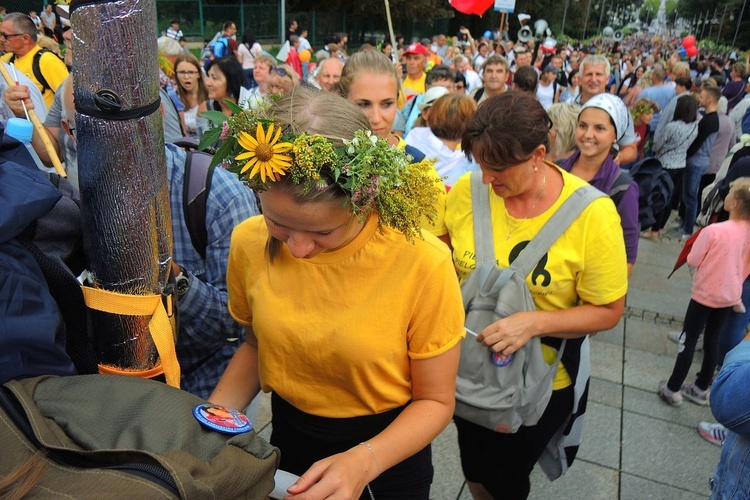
[(655, 190), (33, 340)]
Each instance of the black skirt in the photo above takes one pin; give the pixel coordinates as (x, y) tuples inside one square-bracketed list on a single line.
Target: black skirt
[(304, 439)]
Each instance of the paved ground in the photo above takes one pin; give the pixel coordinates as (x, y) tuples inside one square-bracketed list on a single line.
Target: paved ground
[(635, 446)]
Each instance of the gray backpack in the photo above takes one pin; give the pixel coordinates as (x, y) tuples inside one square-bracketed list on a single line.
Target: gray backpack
[(499, 396)]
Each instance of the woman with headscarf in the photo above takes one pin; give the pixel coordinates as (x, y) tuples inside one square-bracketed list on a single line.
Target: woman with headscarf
[(601, 122)]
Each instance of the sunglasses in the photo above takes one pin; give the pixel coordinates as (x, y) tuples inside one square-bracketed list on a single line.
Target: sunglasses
[(10, 35), (280, 71)]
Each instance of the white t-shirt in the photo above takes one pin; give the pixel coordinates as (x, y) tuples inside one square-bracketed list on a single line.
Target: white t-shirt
[(545, 95)]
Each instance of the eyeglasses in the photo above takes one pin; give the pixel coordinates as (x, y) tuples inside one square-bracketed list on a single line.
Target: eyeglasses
[(10, 35), (188, 73), (460, 87), (280, 71)]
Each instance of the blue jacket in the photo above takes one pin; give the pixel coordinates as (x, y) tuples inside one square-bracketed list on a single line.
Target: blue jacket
[(32, 335), (730, 404)]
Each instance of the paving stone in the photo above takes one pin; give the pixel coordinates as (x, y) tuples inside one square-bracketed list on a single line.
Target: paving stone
[(583, 480), (645, 370), (667, 453), (615, 336), (648, 403), (649, 336), (606, 361), (601, 436), (636, 488), (605, 392)]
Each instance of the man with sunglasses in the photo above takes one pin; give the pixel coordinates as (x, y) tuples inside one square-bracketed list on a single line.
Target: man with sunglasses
[(44, 68)]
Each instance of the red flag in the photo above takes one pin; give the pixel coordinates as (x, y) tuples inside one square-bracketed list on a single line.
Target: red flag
[(478, 7)]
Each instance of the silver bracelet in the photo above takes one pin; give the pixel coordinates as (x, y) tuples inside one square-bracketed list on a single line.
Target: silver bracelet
[(374, 455)]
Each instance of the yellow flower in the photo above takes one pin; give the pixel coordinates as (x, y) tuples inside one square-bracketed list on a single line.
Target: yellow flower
[(264, 155)]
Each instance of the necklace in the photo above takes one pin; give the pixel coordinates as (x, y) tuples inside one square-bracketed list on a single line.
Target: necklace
[(528, 212)]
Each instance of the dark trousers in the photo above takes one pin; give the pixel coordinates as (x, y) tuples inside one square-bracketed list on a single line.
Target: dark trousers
[(304, 439), (502, 463), (699, 319)]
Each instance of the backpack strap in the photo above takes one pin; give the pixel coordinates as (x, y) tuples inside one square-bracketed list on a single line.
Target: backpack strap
[(36, 68), (620, 186), (195, 188), (555, 227), (484, 248), (478, 94)]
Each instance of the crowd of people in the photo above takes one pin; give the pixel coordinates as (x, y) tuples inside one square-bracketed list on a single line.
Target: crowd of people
[(355, 186)]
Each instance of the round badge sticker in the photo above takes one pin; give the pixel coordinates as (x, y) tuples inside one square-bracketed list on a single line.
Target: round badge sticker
[(222, 419), (500, 360)]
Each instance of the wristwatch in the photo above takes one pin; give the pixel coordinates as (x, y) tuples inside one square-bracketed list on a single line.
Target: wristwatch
[(182, 282)]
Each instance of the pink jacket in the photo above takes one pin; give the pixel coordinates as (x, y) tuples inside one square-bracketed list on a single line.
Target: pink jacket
[(721, 254)]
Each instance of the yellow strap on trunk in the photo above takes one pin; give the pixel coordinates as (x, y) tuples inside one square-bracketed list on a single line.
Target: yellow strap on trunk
[(159, 326)]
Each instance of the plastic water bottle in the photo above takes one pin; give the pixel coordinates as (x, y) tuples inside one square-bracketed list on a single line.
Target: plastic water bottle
[(22, 130)]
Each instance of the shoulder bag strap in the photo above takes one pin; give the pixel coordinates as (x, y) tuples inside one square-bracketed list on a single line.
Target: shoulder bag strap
[(484, 248), (555, 226)]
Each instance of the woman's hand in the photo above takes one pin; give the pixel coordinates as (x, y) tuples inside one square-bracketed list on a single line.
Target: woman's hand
[(510, 334), (343, 476)]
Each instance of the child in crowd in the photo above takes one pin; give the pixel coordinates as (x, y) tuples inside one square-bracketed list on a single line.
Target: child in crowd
[(721, 254)]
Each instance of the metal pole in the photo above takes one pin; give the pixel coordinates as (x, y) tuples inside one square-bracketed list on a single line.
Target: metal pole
[(721, 25), (282, 20), (586, 22), (739, 21), (565, 14), (601, 16)]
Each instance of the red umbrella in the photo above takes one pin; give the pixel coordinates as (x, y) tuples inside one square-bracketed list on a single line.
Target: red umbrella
[(478, 7), (682, 258)]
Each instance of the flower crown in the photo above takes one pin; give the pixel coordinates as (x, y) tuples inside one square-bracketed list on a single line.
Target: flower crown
[(644, 105), (374, 175)]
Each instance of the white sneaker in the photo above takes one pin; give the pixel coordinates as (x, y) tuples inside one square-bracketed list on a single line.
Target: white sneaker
[(678, 337), (712, 432)]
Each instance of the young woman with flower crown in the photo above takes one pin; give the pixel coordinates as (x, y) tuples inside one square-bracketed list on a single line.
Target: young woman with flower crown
[(353, 314), (370, 81)]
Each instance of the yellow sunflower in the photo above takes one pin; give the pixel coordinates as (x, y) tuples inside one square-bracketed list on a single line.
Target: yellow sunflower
[(264, 155)]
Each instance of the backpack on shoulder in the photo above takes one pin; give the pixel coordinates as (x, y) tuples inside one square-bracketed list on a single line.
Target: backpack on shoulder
[(36, 68), (220, 47), (655, 188), (492, 391)]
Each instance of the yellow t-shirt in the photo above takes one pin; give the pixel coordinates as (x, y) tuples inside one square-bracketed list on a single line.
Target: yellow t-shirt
[(336, 332), (413, 87), (587, 263), (53, 69), (438, 228)]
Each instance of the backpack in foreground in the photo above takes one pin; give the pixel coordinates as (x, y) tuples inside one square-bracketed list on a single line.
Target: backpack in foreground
[(655, 188), (125, 437), (498, 394)]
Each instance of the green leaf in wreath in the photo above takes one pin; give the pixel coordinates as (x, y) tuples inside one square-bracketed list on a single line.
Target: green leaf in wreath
[(210, 136), (215, 117), (233, 107)]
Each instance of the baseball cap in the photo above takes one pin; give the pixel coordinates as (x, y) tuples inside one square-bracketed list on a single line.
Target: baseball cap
[(550, 69), (431, 96), (417, 49), (614, 107), (426, 42)]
